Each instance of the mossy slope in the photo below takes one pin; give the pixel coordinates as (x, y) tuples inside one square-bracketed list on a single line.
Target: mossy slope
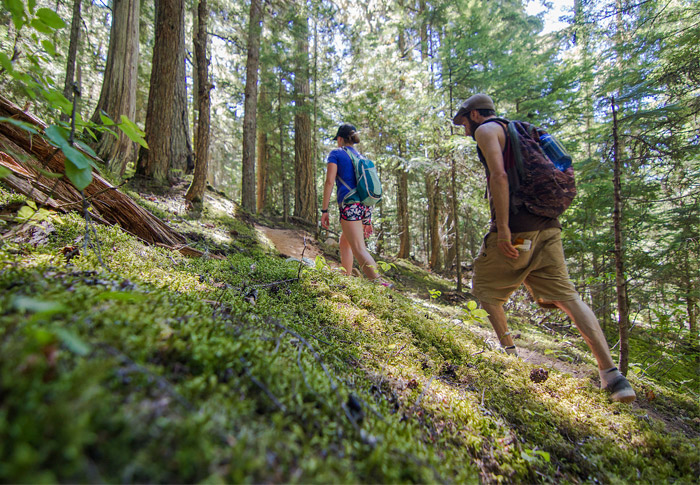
[(151, 367)]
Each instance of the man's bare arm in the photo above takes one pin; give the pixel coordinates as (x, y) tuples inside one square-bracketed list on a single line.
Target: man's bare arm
[(491, 140)]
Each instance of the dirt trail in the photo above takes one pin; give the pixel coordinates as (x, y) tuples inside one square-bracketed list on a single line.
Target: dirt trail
[(290, 242)]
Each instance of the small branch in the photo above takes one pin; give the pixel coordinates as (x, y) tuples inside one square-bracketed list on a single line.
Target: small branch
[(425, 389), (272, 397)]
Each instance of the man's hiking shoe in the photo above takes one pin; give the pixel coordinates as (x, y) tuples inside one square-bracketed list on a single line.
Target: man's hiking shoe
[(620, 390), (381, 281)]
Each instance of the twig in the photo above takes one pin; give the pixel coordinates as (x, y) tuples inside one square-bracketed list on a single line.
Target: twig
[(425, 389), (301, 260), (272, 397), (161, 381)]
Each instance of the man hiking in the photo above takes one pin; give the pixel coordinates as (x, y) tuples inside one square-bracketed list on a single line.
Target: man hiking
[(505, 260)]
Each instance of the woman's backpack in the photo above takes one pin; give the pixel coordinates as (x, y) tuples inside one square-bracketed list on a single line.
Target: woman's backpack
[(544, 186), (369, 189)]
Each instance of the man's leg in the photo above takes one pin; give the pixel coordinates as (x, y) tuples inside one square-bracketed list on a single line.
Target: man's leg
[(586, 322), (498, 320)]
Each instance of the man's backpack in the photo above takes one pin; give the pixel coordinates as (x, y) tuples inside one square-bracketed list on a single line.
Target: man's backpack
[(369, 189), (540, 174)]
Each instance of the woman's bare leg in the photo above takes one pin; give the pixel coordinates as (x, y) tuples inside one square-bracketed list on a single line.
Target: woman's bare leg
[(355, 237)]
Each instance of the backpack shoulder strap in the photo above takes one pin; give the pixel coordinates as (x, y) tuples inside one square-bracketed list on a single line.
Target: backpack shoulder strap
[(354, 166)]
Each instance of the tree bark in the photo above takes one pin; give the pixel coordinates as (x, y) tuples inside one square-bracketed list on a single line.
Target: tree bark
[(166, 116), (432, 184), (251, 103), (72, 54), (262, 169), (402, 210), (199, 182), (455, 217), (195, 74), (305, 203), (620, 280), (283, 166), (118, 94)]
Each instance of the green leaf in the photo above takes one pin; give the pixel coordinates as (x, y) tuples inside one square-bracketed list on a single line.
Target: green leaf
[(56, 135), (80, 177), (77, 157), (543, 454), (480, 313), (58, 100), (31, 204), (24, 214), (106, 120), (47, 173), (40, 308), (40, 26), (471, 305), (134, 133), (5, 62), (49, 47), (16, 7), (50, 18), (74, 343), (31, 5), (20, 124), (86, 148), (527, 457)]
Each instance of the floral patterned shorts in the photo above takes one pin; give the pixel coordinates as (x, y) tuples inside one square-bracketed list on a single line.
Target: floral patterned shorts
[(356, 212)]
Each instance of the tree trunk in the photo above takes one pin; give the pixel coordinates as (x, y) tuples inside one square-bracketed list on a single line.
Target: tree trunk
[(166, 115), (620, 281), (283, 166), (118, 94), (432, 184), (199, 182), (195, 75), (305, 182), (72, 54), (402, 211), (455, 217), (251, 104), (262, 165)]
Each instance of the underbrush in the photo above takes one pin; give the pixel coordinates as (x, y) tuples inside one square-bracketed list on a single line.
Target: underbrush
[(144, 366)]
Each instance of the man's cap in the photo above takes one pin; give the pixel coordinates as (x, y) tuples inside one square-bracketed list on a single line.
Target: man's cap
[(344, 131), (478, 101)]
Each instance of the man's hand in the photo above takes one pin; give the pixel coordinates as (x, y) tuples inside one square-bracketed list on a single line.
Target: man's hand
[(325, 220), (368, 230), (505, 245)]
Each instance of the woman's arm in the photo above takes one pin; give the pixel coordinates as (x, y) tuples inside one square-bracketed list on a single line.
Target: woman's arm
[(331, 171)]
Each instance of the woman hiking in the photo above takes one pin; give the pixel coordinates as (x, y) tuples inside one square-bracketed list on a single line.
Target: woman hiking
[(355, 217)]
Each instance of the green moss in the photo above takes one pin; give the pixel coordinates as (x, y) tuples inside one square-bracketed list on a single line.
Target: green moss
[(140, 365)]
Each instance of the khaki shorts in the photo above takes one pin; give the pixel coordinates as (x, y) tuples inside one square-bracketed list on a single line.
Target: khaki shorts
[(542, 269)]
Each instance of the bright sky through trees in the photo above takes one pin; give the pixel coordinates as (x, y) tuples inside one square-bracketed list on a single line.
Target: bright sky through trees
[(551, 18)]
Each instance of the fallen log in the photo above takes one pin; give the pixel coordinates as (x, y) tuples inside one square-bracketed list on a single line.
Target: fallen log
[(29, 158)]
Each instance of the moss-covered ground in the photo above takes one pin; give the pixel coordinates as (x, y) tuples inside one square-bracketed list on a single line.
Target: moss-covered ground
[(137, 364)]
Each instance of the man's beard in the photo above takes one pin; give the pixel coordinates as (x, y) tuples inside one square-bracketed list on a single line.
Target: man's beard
[(473, 125)]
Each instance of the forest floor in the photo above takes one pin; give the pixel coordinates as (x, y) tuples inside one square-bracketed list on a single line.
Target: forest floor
[(137, 364), (297, 242)]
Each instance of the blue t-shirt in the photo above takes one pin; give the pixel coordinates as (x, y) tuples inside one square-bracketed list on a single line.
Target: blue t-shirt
[(345, 171)]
